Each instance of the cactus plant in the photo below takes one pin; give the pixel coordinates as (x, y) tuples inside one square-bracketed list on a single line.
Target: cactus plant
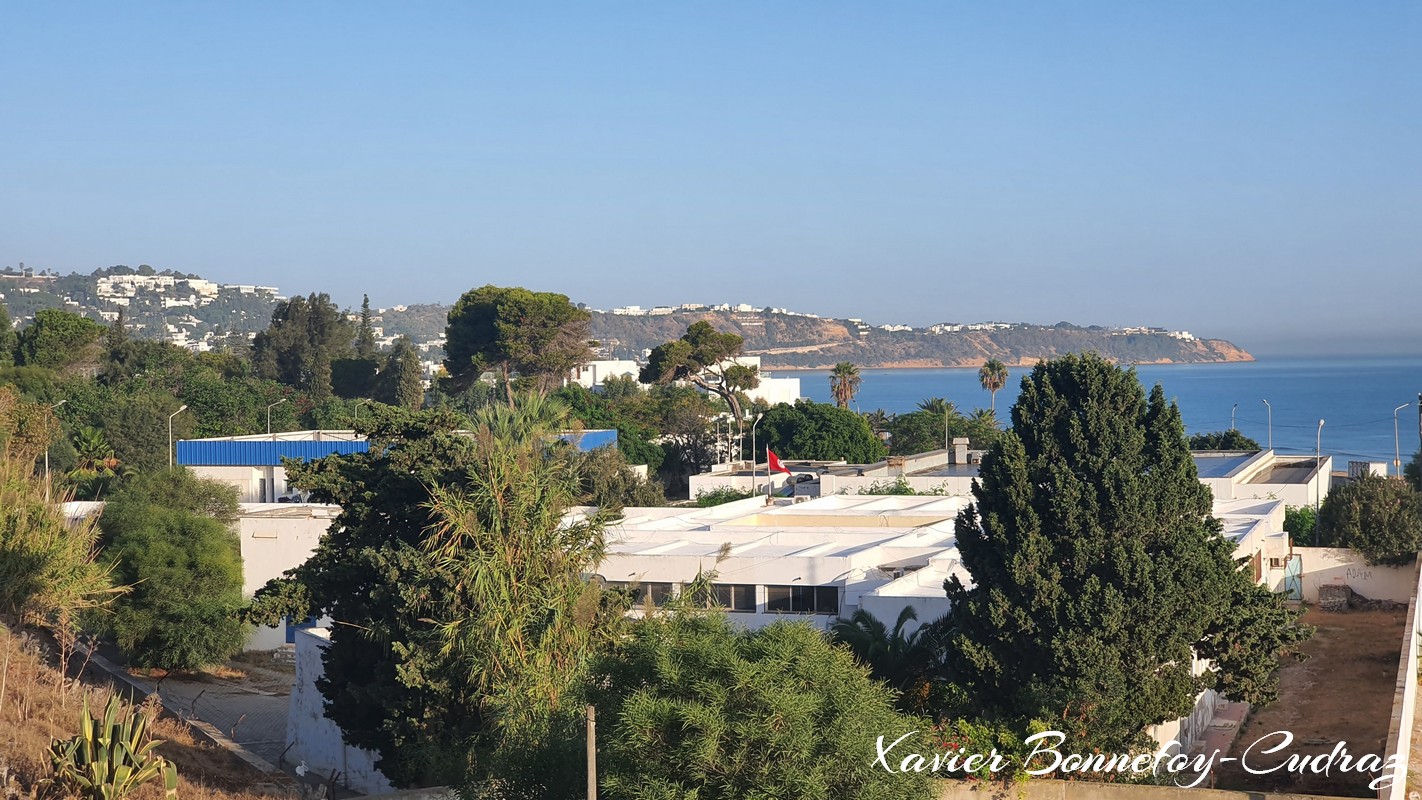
[(111, 756)]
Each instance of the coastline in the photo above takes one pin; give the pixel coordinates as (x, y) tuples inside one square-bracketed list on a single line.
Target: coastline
[(929, 363)]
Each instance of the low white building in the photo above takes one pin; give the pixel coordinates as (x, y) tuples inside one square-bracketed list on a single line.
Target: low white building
[(1263, 474), (593, 373)]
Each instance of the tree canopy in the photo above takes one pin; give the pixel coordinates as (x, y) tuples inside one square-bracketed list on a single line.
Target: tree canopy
[(57, 339), (168, 534), (697, 709), (1231, 439), (706, 358), (537, 336), (1097, 571), (819, 432), (305, 336), (1379, 517)]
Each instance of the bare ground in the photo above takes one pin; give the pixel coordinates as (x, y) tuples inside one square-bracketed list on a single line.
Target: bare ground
[(1342, 693), (35, 707)]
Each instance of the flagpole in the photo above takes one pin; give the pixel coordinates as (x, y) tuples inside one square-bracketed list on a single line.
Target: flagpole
[(755, 459)]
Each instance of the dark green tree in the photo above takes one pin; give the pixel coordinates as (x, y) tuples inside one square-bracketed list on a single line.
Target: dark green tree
[(538, 336), (819, 432), (169, 535), (1098, 572), (1379, 517), (402, 379), (365, 334), (704, 358), (7, 338), (1301, 523), (1413, 471), (463, 619), (59, 340), (903, 661), (305, 336), (1223, 440), (694, 708)]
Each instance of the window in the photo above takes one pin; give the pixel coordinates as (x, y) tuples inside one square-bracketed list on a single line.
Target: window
[(656, 593), (736, 597), (802, 599)]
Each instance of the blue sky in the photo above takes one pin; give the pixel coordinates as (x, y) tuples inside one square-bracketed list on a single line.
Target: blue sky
[(1246, 170)]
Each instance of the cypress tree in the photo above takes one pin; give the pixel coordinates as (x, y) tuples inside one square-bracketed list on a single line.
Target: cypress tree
[(1098, 572)]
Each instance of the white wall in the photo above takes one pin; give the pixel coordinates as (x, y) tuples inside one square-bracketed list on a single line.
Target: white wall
[(271, 545), (248, 481), (1338, 565), (313, 738), (594, 373)]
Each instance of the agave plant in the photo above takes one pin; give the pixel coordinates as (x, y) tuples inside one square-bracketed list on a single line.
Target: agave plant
[(111, 756)]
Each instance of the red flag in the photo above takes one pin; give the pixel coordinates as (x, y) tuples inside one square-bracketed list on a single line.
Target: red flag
[(774, 462)]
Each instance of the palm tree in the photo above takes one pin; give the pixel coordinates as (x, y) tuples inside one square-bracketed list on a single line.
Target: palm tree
[(895, 658), (984, 416), (844, 383), (993, 376), (938, 405)]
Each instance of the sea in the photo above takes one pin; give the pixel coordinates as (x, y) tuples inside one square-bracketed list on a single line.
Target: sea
[(1354, 397)]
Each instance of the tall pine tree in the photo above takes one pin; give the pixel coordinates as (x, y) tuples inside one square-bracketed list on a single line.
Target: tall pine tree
[(1098, 572), (365, 334)]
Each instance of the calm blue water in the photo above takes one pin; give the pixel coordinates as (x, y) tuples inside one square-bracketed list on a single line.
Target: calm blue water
[(1354, 396)]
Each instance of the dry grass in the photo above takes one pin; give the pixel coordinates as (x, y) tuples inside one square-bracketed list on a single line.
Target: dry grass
[(35, 708)]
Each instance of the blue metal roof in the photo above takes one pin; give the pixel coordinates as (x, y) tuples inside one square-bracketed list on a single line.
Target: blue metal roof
[(590, 440), (266, 453), (228, 453)]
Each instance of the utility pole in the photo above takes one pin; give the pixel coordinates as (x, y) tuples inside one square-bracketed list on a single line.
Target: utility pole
[(592, 752)]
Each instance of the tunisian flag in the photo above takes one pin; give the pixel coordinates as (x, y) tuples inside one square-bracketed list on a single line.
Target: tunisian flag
[(773, 462)]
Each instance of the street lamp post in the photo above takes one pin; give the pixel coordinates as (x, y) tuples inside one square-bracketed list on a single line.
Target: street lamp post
[(269, 414), (1271, 423), (755, 458), (1396, 443), (170, 433), (46, 456), (1317, 490), (1232, 409)]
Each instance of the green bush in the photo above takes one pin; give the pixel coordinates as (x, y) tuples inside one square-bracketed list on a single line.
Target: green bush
[(720, 495), (183, 561), (1379, 517), (696, 709)]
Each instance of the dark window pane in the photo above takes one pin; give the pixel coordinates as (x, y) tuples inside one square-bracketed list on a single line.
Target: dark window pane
[(826, 599), (744, 597), (777, 598), (659, 593)]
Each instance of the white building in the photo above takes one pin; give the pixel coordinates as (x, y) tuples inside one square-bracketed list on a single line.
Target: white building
[(1263, 474), (276, 537), (593, 373)]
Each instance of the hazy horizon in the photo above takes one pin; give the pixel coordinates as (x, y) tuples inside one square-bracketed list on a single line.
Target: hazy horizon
[(1247, 173)]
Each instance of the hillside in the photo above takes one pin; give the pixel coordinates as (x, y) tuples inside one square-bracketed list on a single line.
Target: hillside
[(795, 342), (193, 311)]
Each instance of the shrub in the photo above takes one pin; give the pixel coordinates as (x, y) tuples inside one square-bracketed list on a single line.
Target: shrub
[(165, 535), (720, 495), (1379, 517), (111, 757), (696, 709)]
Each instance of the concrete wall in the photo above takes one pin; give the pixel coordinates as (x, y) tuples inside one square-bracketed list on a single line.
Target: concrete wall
[(1404, 703), (314, 739), (1038, 789), (271, 545), (248, 481), (1337, 565)]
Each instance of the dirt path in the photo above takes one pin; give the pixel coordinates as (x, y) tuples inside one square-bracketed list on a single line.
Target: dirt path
[(1341, 693)]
